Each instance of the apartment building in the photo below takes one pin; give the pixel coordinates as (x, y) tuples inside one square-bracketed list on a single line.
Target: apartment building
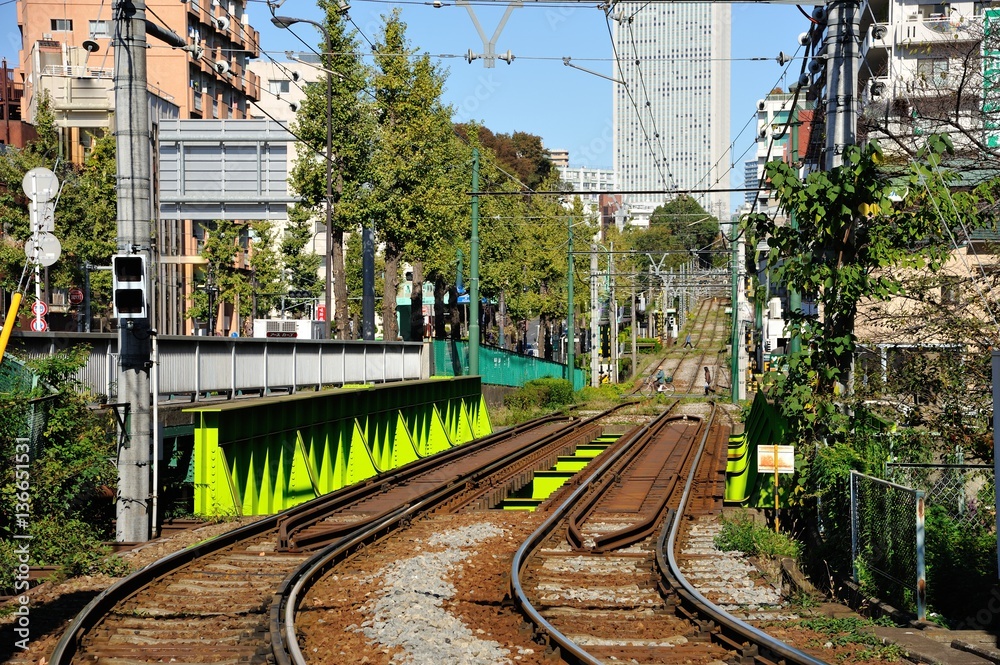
[(67, 50), (923, 71)]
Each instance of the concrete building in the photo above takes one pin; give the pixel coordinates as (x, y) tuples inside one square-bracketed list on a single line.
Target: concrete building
[(282, 85), (559, 157), (591, 186), (784, 124), (671, 104), (67, 50), (13, 130), (920, 60)]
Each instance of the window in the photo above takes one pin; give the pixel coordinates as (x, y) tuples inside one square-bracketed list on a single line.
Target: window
[(61, 24), (100, 29), (278, 86), (932, 69)]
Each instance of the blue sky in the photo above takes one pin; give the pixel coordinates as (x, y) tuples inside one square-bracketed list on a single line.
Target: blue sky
[(537, 93)]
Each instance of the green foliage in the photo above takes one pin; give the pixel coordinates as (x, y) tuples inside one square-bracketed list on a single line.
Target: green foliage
[(85, 217), (649, 345), (848, 243), (71, 476), (961, 562), (743, 534), (546, 393)]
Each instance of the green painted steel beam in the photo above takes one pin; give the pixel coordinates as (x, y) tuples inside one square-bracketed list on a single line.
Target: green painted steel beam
[(261, 456)]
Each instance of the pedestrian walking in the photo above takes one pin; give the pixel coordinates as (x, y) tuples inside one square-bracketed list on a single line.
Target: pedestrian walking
[(708, 382), (687, 342)]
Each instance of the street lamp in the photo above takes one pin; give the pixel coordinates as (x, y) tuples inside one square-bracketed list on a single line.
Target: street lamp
[(286, 22)]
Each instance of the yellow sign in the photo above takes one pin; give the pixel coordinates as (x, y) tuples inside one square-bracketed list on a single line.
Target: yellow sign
[(776, 459)]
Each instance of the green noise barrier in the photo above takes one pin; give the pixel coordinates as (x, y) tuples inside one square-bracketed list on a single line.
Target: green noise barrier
[(262, 456), (763, 427)]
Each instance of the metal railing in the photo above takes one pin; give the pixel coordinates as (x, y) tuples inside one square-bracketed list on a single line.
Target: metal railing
[(887, 540), (198, 366)]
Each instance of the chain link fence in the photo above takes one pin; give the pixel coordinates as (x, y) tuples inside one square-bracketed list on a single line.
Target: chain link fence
[(15, 377), (887, 541), (964, 491)]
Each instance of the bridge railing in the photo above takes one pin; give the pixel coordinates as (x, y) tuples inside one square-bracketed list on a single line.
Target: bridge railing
[(198, 365)]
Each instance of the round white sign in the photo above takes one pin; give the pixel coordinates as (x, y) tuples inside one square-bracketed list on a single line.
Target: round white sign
[(40, 185), (43, 249)]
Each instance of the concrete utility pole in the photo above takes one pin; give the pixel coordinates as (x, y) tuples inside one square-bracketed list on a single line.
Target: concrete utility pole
[(135, 215), (842, 58), (613, 315)]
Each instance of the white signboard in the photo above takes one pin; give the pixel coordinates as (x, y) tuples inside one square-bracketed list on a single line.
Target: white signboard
[(776, 459)]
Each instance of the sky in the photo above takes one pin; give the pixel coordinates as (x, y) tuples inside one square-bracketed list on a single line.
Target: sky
[(537, 93)]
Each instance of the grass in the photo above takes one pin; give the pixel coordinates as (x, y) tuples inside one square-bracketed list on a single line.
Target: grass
[(853, 633), (742, 533)]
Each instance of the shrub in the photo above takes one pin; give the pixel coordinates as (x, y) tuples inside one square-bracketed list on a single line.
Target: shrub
[(72, 545), (548, 393)]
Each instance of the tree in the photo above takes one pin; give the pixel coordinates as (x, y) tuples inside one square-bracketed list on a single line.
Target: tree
[(85, 217), (851, 243), (351, 123), (242, 271), (417, 177), (520, 152)]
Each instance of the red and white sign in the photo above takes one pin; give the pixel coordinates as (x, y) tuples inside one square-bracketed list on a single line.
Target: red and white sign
[(776, 459), (39, 308), (321, 312), (39, 325), (75, 296)]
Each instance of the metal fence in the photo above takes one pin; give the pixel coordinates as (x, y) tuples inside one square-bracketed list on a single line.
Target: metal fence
[(198, 365), (498, 367), (887, 540), (964, 491), (16, 377)]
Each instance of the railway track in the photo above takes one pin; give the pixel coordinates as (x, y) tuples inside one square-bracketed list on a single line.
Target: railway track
[(594, 596), (320, 583), (214, 602)]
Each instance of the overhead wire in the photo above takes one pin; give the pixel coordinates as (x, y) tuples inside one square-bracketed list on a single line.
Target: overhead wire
[(649, 108), (628, 91)]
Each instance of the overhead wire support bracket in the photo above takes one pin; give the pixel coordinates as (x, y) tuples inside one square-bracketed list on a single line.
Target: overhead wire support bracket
[(489, 54), (568, 63)]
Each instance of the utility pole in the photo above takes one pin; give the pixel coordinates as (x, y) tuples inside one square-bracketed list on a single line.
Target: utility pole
[(570, 360), (474, 271), (613, 315), (595, 320), (135, 216), (842, 56)]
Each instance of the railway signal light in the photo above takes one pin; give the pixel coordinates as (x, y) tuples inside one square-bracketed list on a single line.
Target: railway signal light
[(129, 286)]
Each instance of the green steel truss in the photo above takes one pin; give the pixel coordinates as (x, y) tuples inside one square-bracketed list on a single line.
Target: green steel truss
[(262, 456)]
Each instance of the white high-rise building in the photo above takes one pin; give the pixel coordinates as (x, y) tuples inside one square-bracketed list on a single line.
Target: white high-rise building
[(671, 107)]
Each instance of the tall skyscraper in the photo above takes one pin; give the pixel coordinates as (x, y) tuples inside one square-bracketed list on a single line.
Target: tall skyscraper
[(671, 107)]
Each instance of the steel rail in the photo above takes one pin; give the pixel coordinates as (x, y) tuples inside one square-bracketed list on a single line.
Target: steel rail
[(520, 561), (102, 604), (581, 512), (285, 602), (671, 572)]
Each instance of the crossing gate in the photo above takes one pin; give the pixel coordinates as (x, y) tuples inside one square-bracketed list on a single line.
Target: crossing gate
[(262, 456)]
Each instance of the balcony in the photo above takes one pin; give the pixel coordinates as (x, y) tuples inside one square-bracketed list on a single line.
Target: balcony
[(937, 29)]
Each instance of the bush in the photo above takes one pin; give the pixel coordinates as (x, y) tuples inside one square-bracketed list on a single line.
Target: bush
[(644, 343), (547, 393), (742, 534), (72, 545)]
